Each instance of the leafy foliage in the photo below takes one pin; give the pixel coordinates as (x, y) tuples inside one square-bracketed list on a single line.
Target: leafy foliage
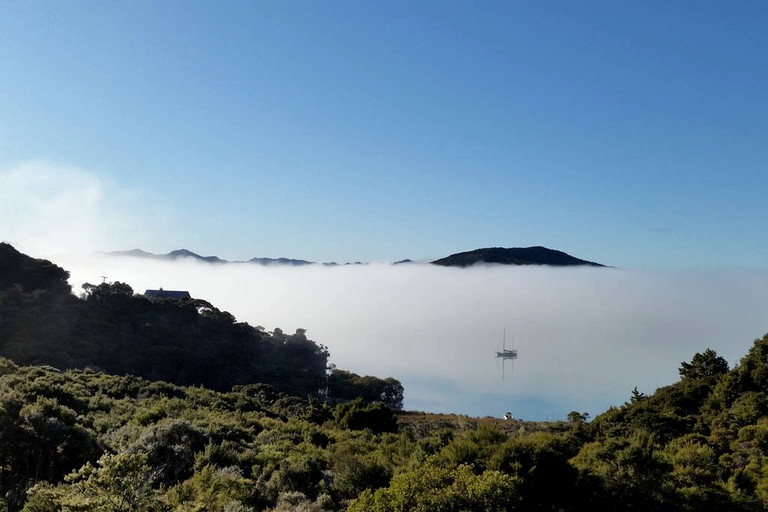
[(187, 342), (85, 440), (357, 415), (29, 274), (437, 488), (250, 423), (345, 385), (705, 365)]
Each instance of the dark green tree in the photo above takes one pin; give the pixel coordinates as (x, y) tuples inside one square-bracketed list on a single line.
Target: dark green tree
[(345, 385), (169, 448), (431, 487), (704, 365), (104, 291), (357, 415)]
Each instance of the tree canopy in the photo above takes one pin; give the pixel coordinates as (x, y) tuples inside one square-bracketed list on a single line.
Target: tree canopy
[(111, 402), (186, 342)]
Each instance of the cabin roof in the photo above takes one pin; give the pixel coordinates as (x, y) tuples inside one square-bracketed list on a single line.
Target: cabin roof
[(167, 294)]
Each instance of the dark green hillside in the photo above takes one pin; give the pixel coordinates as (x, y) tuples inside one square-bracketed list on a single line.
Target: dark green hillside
[(88, 441), (188, 342), (513, 256), (81, 440), (699, 444), (30, 274)]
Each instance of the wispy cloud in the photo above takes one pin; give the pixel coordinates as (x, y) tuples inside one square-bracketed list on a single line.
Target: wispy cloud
[(57, 208)]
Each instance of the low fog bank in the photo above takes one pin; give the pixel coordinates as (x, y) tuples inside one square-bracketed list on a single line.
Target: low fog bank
[(586, 336)]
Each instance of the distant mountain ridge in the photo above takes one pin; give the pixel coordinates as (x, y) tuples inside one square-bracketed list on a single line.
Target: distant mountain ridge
[(514, 256), (536, 255), (185, 253), (280, 261)]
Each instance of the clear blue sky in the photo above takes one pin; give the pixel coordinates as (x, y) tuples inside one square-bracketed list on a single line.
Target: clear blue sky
[(630, 133)]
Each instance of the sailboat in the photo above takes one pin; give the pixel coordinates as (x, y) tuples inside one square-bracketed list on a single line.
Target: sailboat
[(505, 353)]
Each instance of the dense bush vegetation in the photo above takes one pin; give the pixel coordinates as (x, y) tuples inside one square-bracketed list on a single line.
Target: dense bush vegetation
[(188, 342), (85, 440)]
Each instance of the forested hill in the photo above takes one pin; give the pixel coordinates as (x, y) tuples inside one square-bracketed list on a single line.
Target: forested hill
[(188, 342), (85, 441), (513, 256), (30, 274), (82, 440)]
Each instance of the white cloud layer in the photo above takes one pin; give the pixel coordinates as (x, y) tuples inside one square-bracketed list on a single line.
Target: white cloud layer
[(586, 336), (57, 208)]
